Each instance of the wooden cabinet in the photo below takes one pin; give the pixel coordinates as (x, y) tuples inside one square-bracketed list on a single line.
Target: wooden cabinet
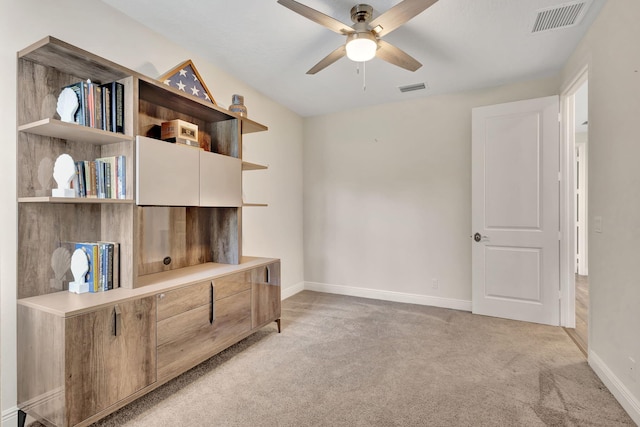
[(186, 289), (78, 366), (217, 313), (265, 299), (220, 180), (176, 175), (166, 174)]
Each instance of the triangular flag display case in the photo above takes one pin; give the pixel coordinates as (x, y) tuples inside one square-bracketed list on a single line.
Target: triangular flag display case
[(185, 77), (185, 289)]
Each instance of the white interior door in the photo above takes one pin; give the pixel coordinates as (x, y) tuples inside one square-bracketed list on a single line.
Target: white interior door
[(515, 218)]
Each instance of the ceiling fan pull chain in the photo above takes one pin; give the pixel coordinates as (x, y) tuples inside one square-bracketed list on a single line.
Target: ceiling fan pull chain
[(364, 76)]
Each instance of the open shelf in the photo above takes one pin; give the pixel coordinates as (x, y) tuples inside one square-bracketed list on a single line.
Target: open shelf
[(247, 166), (49, 199), (71, 131)]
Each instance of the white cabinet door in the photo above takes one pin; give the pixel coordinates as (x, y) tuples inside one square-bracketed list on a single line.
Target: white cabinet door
[(220, 180), (166, 174)]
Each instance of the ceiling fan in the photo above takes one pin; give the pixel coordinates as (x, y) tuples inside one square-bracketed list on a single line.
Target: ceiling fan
[(364, 38)]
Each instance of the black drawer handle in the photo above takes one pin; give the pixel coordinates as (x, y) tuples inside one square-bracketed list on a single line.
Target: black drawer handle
[(212, 313)]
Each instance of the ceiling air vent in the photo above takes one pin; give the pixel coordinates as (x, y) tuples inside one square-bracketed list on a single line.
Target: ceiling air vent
[(410, 88), (562, 16)]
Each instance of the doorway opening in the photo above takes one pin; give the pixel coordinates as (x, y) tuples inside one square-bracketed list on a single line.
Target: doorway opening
[(576, 121)]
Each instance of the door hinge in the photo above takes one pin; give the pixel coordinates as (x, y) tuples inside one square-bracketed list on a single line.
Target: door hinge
[(559, 176), (559, 235), (560, 295), (559, 117)]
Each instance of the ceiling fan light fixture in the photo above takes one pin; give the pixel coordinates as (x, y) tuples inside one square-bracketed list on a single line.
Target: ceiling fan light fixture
[(361, 47)]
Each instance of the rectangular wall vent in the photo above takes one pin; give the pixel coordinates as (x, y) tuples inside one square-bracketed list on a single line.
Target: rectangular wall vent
[(561, 16), (410, 88)]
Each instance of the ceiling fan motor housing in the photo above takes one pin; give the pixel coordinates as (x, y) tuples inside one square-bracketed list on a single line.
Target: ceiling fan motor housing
[(361, 13)]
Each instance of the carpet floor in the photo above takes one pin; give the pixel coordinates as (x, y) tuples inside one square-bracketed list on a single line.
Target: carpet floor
[(346, 361)]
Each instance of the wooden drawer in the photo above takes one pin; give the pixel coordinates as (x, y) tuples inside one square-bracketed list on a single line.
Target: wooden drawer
[(190, 338), (183, 299), (232, 284)]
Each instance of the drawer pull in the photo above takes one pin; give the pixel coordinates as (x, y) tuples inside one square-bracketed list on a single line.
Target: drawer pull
[(267, 274), (212, 313), (116, 320), (161, 296)]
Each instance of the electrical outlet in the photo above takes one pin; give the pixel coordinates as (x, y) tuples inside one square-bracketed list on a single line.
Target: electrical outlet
[(434, 283), (633, 369)]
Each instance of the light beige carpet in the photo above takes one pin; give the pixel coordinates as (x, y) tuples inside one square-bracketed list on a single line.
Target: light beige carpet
[(344, 361)]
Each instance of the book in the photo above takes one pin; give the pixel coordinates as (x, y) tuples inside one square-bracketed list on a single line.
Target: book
[(110, 176), (80, 179), (91, 174), (111, 263), (92, 277), (117, 112), (79, 89), (91, 105), (121, 177), (97, 99), (113, 98), (106, 108)]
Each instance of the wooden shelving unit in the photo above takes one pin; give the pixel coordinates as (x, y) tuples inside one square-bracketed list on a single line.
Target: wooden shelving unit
[(170, 252)]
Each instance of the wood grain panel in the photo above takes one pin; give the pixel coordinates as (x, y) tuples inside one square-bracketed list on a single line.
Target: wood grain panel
[(232, 284), (198, 235), (184, 234), (42, 228), (92, 351), (265, 298), (226, 138), (151, 116), (226, 238), (34, 150), (189, 338), (117, 226), (73, 60), (183, 299), (41, 364)]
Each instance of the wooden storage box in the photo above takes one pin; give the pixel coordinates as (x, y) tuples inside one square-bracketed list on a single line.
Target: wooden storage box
[(181, 132)]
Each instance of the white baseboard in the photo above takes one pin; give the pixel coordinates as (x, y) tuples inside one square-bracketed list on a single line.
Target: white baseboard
[(291, 290), (9, 417), (622, 394), (455, 304)]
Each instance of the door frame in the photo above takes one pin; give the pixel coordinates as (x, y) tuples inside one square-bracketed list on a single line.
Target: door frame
[(567, 199)]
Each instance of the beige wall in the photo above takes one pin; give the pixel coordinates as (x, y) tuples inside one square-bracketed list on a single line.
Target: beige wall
[(90, 24), (387, 196), (610, 49)]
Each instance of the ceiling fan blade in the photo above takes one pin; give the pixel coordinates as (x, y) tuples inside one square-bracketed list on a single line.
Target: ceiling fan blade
[(399, 14), (317, 17), (393, 55), (328, 60)]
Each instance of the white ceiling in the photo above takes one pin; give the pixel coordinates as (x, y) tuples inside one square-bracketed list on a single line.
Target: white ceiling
[(462, 44)]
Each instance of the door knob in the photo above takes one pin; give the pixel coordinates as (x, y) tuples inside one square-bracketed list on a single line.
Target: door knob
[(478, 237)]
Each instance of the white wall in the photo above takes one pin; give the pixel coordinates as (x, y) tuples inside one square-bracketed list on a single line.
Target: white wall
[(274, 231), (610, 49), (387, 196)]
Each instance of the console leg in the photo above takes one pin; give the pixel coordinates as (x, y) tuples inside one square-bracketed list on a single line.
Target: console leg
[(278, 322), (22, 418)]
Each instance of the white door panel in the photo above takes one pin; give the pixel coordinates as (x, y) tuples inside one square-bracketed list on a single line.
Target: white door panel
[(515, 164)]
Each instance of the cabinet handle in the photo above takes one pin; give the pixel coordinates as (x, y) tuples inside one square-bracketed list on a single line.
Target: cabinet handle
[(116, 320), (267, 274), (212, 313)]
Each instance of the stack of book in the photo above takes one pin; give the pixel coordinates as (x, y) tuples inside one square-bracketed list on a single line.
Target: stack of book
[(100, 106), (104, 265), (102, 178)]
